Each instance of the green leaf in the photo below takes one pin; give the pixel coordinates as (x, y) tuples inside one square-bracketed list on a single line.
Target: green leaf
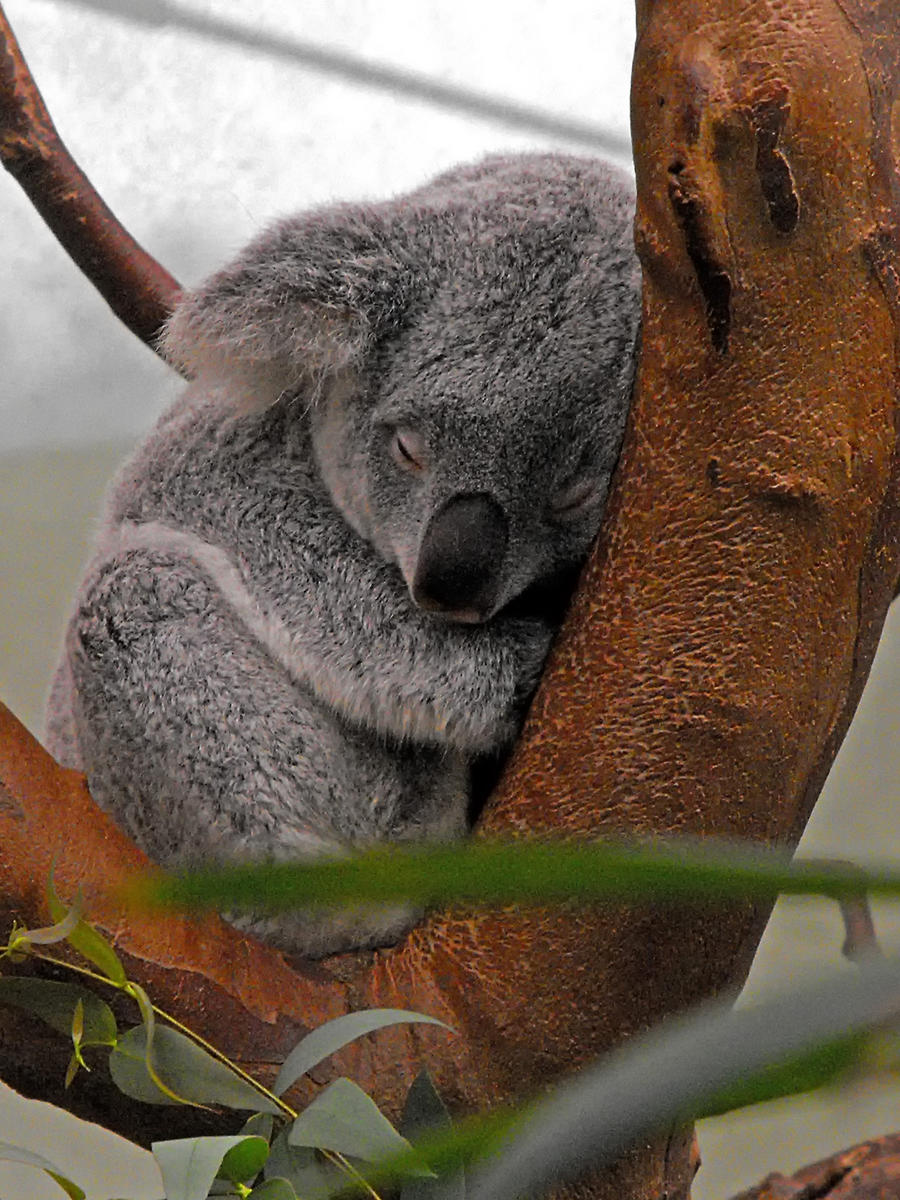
[(72, 1190), (260, 1124), (424, 1108), (689, 1067), (49, 935), (425, 1111), (184, 1067), (320, 1181), (345, 1120), (466, 1142), (274, 1189), (800, 1073), (89, 943), (149, 1036), (287, 1161), (27, 1158), (189, 1165), (78, 1022), (244, 1161), (327, 1039), (75, 1061), (310, 1178), (55, 1002), (524, 873)]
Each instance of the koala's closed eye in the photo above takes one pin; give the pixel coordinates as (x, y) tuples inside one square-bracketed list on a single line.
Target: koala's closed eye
[(576, 497), (409, 449)]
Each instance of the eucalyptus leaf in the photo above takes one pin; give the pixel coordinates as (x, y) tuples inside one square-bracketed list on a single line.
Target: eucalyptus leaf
[(49, 935), (55, 1002), (222, 1187), (310, 1178), (78, 1022), (666, 870), (319, 1181), (75, 1061), (682, 1070), (72, 1190), (423, 1108), (182, 1065), (261, 1124), (88, 941), (189, 1165), (425, 1111), (28, 1158), (286, 1160), (244, 1161), (274, 1189), (327, 1039), (468, 1140), (163, 1086), (345, 1120)]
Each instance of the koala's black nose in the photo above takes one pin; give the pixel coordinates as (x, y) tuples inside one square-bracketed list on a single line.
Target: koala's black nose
[(460, 563)]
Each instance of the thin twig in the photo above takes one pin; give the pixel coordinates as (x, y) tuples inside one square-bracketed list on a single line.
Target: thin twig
[(860, 938), (342, 1163)]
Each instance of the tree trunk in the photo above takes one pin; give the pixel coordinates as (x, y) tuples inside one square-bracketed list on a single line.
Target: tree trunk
[(721, 634)]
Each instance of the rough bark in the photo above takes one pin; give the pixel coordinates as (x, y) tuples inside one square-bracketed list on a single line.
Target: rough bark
[(869, 1171), (721, 634)]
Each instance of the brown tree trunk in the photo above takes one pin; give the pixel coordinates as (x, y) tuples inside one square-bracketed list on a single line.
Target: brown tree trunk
[(722, 632)]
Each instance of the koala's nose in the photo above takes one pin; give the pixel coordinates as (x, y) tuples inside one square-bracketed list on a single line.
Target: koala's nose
[(460, 562)]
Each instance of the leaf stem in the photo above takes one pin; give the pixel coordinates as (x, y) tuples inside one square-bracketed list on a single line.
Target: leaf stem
[(226, 1061), (127, 987), (344, 1164), (70, 966), (173, 1021)]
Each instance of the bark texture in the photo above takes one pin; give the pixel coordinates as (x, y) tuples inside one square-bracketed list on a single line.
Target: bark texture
[(719, 639), (869, 1171)]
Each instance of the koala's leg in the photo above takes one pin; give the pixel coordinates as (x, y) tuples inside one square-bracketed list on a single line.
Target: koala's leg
[(204, 748)]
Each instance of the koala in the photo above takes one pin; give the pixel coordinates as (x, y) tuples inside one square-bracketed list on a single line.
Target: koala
[(325, 585)]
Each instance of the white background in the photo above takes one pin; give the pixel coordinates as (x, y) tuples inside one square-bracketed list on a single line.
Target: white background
[(195, 145)]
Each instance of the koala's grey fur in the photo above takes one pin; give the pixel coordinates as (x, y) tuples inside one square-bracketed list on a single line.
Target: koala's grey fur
[(299, 634)]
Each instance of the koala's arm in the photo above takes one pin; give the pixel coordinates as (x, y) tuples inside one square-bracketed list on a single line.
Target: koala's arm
[(340, 622), (368, 650), (442, 686)]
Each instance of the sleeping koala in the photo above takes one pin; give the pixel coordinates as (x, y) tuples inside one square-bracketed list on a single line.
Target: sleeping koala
[(327, 582)]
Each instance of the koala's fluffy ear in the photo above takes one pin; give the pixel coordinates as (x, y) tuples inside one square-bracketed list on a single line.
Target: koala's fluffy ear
[(308, 298)]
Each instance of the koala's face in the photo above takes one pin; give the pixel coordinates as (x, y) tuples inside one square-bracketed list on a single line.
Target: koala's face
[(474, 503), (470, 350), (475, 447)]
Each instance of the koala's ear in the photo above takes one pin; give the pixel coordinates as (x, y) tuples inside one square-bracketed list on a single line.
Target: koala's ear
[(308, 298)]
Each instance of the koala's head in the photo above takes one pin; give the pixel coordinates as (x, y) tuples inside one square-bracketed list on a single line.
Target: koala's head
[(469, 351)]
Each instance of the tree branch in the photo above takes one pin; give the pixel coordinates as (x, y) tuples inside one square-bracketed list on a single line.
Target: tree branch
[(869, 1171)]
